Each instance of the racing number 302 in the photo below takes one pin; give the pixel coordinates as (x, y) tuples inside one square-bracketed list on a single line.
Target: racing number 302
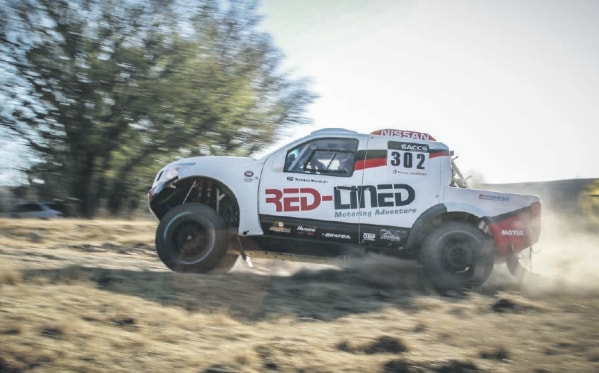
[(408, 160)]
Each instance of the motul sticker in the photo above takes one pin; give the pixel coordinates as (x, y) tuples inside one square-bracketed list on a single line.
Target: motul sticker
[(512, 232)]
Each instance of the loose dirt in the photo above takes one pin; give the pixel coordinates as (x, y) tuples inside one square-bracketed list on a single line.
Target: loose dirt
[(92, 296)]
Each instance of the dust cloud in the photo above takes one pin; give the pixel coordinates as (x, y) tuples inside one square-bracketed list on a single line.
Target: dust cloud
[(565, 260)]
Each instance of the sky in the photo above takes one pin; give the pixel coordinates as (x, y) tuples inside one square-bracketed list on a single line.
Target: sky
[(512, 86)]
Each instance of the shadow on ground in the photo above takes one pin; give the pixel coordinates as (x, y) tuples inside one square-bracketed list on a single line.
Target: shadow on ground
[(323, 294)]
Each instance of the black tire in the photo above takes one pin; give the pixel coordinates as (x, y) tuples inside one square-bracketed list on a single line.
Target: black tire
[(457, 256), (191, 238)]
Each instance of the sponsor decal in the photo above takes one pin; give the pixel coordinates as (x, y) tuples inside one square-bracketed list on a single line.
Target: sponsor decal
[(512, 232), (369, 213), (295, 199), (493, 197), (368, 236), (412, 173), (389, 235), (403, 133), (344, 198), (248, 176), (279, 227), (394, 211), (408, 146), (308, 231), (342, 236), (306, 180), (382, 195), (352, 214)]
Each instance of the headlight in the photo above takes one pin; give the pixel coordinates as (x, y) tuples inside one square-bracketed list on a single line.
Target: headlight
[(162, 179), (165, 176)]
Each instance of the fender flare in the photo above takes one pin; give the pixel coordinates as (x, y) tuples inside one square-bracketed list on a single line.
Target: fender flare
[(421, 222)]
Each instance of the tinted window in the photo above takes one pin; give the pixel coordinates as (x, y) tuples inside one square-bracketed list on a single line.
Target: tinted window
[(323, 156)]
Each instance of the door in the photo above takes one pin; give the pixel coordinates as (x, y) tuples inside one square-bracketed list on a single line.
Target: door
[(400, 183), (310, 196)]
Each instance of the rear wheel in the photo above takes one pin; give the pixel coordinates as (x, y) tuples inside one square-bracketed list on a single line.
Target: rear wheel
[(192, 238), (457, 256)]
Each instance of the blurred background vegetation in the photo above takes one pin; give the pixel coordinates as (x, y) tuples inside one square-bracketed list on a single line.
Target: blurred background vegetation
[(104, 93)]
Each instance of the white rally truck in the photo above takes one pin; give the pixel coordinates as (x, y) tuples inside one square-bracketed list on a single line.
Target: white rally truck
[(337, 194)]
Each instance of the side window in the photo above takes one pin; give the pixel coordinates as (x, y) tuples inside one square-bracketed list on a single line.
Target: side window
[(334, 157)]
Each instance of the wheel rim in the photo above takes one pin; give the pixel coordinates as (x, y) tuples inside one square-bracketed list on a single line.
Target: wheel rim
[(191, 241), (457, 255)]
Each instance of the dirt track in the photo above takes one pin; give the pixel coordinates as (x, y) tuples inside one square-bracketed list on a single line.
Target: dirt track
[(93, 297)]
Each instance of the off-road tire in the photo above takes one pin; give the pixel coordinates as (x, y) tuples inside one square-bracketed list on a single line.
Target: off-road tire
[(457, 256), (192, 238)]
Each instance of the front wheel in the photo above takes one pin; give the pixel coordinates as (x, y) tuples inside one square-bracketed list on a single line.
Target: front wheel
[(457, 256), (191, 238)]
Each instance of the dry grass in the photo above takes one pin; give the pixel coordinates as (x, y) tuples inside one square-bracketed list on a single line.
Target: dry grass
[(91, 296)]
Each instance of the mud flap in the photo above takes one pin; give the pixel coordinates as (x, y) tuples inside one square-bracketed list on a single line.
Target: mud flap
[(244, 255), (515, 267)]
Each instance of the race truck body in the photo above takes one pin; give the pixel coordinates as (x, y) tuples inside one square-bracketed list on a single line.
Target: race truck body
[(336, 194)]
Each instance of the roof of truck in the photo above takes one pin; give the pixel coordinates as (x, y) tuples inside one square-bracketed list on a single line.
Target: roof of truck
[(392, 132), (404, 133)]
